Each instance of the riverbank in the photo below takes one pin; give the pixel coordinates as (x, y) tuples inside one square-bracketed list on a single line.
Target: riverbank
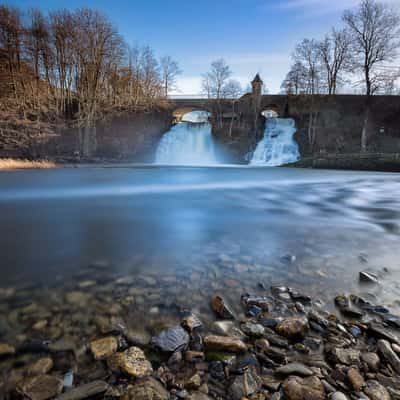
[(354, 161), (282, 344), (8, 164)]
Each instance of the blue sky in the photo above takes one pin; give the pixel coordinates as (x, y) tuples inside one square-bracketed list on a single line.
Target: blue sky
[(251, 35)]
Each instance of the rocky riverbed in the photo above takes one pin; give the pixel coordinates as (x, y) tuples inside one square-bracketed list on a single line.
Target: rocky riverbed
[(107, 338)]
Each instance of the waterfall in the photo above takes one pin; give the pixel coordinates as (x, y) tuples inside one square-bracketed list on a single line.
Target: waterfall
[(189, 142), (278, 146)]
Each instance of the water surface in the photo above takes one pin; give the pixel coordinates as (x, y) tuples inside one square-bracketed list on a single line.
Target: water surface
[(181, 234)]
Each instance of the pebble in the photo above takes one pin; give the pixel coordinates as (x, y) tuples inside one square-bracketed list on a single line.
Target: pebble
[(294, 369), (84, 391), (372, 360), (133, 362), (6, 350), (368, 277), (41, 366), (292, 328), (220, 308), (310, 388), (103, 348), (149, 389), (41, 387), (338, 396), (171, 339), (224, 343), (375, 391), (356, 379), (245, 385), (387, 352), (253, 329), (346, 356)]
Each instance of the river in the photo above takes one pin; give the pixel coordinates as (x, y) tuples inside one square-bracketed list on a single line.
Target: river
[(177, 235)]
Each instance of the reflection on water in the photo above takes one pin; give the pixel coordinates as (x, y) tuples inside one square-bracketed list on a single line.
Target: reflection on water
[(193, 231)]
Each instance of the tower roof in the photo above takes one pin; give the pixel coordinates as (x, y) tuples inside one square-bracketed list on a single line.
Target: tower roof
[(257, 79)]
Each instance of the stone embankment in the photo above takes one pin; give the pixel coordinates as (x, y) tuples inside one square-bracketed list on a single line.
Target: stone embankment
[(357, 161)]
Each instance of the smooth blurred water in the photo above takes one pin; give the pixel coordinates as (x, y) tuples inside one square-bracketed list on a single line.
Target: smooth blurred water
[(190, 142), (278, 146), (174, 221)]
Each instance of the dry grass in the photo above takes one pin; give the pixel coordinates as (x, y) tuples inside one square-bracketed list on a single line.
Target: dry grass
[(11, 164)]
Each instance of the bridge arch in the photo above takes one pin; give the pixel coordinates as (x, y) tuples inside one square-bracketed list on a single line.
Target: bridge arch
[(180, 112)]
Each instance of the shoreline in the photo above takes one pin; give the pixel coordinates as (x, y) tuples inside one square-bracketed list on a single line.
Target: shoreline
[(282, 345)]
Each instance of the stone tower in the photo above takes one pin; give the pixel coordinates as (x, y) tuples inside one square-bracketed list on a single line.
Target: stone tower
[(257, 85)]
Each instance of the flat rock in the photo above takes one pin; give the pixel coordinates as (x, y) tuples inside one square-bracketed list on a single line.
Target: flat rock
[(6, 350), (294, 369), (310, 388), (356, 379), (171, 339), (253, 329), (41, 366), (133, 362), (346, 356), (41, 387), (368, 277), (245, 385), (385, 349), (379, 331), (103, 348), (224, 343), (220, 307), (84, 391), (292, 328), (372, 360), (149, 389), (375, 391)]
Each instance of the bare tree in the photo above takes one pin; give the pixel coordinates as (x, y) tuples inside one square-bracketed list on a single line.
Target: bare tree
[(307, 53), (232, 91), (375, 39), (375, 32), (335, 56), (169, 72), (295, 82), (214, 83)]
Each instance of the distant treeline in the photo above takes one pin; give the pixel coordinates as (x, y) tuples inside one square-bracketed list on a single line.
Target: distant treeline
[(75, 64)]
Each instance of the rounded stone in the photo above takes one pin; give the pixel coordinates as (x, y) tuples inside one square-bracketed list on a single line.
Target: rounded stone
[(103, 348), (292, 328), (133, 362)]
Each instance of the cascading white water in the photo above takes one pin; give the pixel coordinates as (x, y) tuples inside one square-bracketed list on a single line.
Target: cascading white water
[(189, 142), (278, 146)]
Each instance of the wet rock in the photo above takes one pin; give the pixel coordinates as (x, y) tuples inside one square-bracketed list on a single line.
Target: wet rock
[(296, 388), (221, 309), (224, 343), (6, 350), (343, 303), (385, 349), (379, 331), (191, 322), (41, 367), (133, 362), (346, 356), (257, 301), (171, 339), (85, 391), (253, 329), (338, 396), (103, 348), (77, 298), (294, 369), (297, 296), (198, 396), (375, 391), (372, 360), (194, 382), (292, 328), (138, 337), (194, 356), (222, 327), (368, 277), (245, 385), (355, 378), (68, 380), (41, 387), (149, 389)]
